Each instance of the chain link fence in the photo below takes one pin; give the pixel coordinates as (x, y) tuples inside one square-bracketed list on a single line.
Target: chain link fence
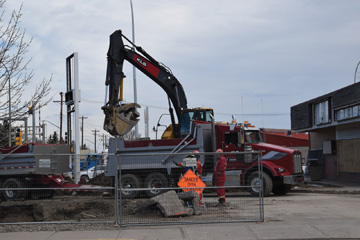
[(171, 189), (131, 189)]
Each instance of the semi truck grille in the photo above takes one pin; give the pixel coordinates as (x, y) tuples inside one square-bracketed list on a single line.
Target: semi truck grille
[(297, 162)]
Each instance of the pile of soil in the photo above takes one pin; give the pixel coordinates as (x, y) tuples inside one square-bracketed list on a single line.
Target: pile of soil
[(64, 208)]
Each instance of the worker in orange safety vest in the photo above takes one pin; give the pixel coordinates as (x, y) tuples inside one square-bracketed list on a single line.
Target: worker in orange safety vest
[(219, 176)]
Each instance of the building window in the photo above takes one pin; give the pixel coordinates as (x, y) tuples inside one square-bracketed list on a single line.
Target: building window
[(347, 113), (321, 113)]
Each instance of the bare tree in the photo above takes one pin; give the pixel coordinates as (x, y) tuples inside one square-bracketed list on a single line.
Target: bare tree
[(15, 76)]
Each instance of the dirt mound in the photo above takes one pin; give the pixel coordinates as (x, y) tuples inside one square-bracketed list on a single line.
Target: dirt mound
[(101, 180), (57, 209)]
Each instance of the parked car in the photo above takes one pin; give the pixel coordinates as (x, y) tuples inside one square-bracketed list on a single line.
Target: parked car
[(90, 173)]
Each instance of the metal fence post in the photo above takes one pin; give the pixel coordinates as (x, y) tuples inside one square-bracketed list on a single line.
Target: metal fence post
[(261, 195), (119, 189), (116, 183)]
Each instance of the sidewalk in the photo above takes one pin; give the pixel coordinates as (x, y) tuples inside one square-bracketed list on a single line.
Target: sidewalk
[(329, 186), (315, 229)]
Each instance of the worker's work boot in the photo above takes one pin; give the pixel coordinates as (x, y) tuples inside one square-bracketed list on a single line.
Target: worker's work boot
[(222, 201)]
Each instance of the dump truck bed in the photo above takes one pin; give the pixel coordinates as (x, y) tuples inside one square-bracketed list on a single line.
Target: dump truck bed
[(156, 151), (35, 159)]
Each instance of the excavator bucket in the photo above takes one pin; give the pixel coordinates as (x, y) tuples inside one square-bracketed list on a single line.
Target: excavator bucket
[(121, 119)]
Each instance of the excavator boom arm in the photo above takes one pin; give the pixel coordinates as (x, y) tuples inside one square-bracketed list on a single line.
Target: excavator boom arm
[(118, 52), (151, 68)]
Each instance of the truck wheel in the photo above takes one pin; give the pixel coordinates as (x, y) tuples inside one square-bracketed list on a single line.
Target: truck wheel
[(84, 179), (129, 181), (153, 181), (12, 194), (281, 189), (254, 183), (1, 186)]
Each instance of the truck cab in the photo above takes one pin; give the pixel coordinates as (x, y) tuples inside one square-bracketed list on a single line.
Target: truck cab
[(281, 165)]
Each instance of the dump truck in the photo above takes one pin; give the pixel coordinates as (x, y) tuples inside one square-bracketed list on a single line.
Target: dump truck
[(33, 166)]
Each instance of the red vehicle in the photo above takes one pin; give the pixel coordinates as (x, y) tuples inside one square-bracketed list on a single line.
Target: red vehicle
[(194, 130), (281, 165)]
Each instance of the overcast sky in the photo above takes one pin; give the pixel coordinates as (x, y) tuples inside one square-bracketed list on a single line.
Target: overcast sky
[(254, 59)]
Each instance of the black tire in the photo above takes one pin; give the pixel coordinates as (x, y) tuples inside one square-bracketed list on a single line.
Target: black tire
[(129, 181), (84, 179), (1, 186), (153, 181), (254, 181), (12, 194), (281, 189)]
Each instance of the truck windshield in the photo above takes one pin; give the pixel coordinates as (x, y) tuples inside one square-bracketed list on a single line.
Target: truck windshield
[(253, 137)]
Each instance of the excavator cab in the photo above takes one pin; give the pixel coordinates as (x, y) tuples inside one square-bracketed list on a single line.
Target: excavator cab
[(184, 126), (196, 114)]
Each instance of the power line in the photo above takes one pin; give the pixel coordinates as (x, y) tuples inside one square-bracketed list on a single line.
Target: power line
[(217, 113), (255, 114)]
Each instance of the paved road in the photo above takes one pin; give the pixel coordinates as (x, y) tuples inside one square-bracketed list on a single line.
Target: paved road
[(327, 213)]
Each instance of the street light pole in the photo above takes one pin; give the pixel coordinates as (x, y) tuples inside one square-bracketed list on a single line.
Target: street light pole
[(134, 69), (356, 71)]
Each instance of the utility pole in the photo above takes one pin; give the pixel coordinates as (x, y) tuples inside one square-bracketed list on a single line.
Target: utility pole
[(146, 118), (43, 132), (82, 131), (95, 131), (105, 141), (33, 122), (61, 115)]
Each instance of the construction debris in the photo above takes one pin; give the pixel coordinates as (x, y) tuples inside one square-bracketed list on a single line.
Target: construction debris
[(171, 204)]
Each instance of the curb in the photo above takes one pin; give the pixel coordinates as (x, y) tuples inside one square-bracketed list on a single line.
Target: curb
[(319, 187)]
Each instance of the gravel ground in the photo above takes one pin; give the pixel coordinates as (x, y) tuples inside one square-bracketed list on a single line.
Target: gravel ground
[(298, 192), (57, 227)]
